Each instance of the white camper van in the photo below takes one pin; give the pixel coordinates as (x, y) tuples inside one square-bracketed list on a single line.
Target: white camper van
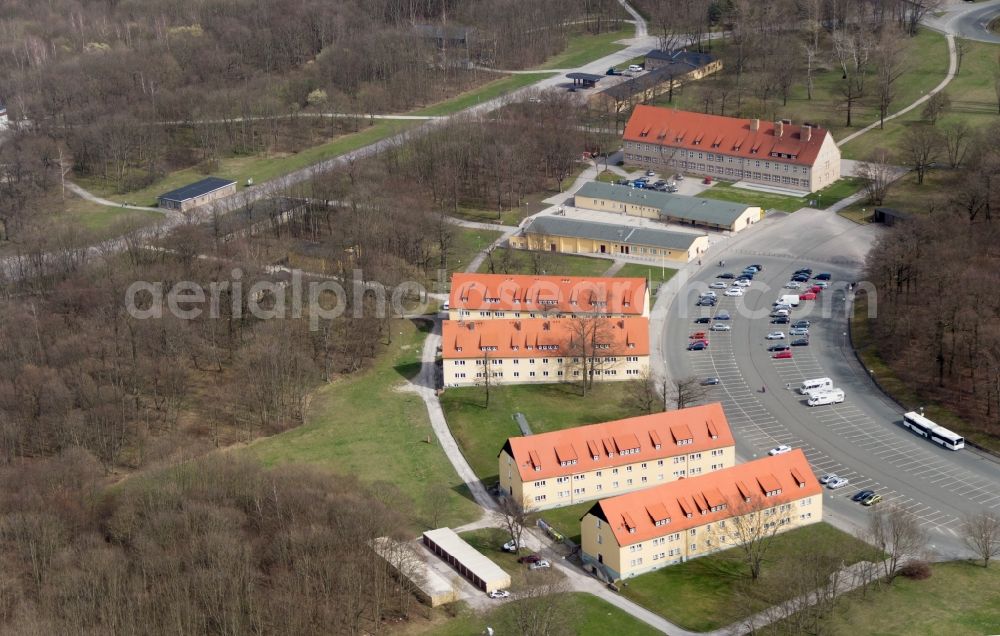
[(818, 383), (835, 396), (792, 300)]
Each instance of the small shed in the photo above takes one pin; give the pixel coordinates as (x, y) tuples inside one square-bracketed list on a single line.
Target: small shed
[(889, 216), (198, 193), (470, 562), (584, 80)]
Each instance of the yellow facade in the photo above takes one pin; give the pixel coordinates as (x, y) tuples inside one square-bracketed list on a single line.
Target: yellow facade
[(577, 245), (574, 488), (541, 369), (599, 543)]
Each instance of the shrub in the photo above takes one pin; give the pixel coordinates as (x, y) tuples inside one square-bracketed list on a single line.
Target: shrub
[(917, 570)]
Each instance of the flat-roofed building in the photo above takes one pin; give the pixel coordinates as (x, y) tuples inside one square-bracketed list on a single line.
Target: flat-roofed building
[(779, 154), (562, 468), (572, 236), (544, 350), (198, 193), (468, 561), (410, 563), (645, 530), (498, 296), (664, 206)]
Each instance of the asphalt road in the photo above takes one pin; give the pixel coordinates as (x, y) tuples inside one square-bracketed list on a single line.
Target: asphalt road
[(860, 439), (973, 20)]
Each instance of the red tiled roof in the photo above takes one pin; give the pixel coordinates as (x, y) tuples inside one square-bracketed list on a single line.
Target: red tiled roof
[(633, 432), (570, 293), (728, 486), (730, 136), (539, 337)]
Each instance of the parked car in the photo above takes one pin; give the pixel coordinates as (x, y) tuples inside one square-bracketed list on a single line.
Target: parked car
[(726, 275), (722, 315), (825, 479), (823, 276), (709, 294), (706, 302), (499, 594), (780, 450), (776, 335), (529, 558), (697, 346), (678, 177), (800, 278), (718, 285), (672, 188), (779, 320), (659, 183), (822, 284), (800, 342), (635, 68), (801, 324), (512, 546), (649, 173), (721, 326), (778, 347), (798, 331), (871, 500), (710, 381), (698, 335), (804, 270), (808, 296), (862, 495), (759, 268), (703, 341), (734, 291), (702, 320), (793, 284), (815, 289), (537, 565), (838, 482), (742, 282), (624, 182), (783, 355)]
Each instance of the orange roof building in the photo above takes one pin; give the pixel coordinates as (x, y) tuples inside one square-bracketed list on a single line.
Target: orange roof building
[(779, 154), (642, 531), (566, 467), (491, 296), (543, 350)]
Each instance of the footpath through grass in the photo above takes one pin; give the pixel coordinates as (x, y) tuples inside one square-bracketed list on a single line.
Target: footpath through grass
[(698, 594), (959, 599), (483, 93), (469, 242), (481, 431), (364, 426), (579, 613)]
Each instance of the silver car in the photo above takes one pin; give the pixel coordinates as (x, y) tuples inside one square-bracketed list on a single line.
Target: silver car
[(837, 482)]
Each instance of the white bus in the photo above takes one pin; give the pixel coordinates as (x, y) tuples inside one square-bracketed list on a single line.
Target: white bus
[(818, 383), (937, 434)]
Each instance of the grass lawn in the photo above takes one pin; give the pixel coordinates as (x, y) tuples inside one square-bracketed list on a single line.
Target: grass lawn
[(584, 48), (489, 541), (653, 273), (486, 92), (364, 426), (906, 195), (261, 168), (467, 243), (103, 219), (580, 613), (973, 100), (554, 264), (566, 519), (724, 191), (960, 598), (901, 391), (697, 594), (838, 190), (482, 431), (607, 176), (507, 217)]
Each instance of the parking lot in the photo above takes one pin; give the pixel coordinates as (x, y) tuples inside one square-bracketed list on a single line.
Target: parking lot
[(859, 439)]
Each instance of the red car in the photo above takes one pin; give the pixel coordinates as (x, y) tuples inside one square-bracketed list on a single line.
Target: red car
[(782, 355), (815, 289), (698, 335), (807, 296), (701, 340)]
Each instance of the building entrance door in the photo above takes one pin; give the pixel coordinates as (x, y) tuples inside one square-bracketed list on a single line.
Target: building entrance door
[(604, 249)]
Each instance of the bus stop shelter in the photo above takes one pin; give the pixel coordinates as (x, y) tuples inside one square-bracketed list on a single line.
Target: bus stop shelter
[(584, 80)]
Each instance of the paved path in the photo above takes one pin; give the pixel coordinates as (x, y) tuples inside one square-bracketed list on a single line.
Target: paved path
[(614, 269), (952, 65), (84, 194)]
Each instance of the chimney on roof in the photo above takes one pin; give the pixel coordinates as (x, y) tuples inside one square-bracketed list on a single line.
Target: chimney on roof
[(779, 128), (754, 124), (472, 326), (807, 132), (546, 326)]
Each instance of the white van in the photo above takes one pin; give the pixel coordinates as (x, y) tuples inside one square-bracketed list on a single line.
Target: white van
[(792, 300), (836, 396), (634, 68), (818, 383)]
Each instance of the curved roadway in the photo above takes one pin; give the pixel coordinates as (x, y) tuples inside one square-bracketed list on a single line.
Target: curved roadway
[(860, 439), (970, 21)]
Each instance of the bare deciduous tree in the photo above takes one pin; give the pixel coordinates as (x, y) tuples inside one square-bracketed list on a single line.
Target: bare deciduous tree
[(981, 532), (920, 147), (935, 106), (751, 528), (957, 136), (889, 67), (897, 533), (876, 173), (511, 514), (688, 391)]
